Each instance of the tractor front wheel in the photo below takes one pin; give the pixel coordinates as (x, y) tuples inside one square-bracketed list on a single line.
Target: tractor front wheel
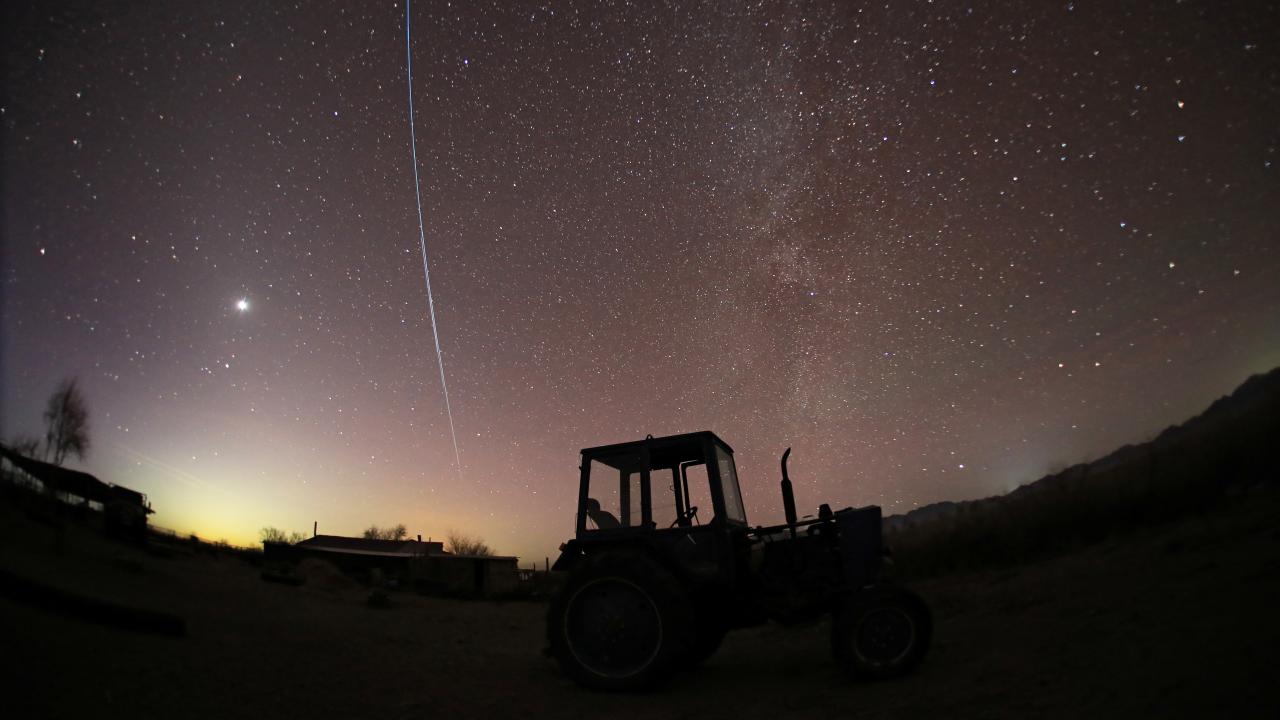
[(881, 632), (621, 622)]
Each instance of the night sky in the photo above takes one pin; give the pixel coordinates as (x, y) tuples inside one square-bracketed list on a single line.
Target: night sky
[(939, 248)]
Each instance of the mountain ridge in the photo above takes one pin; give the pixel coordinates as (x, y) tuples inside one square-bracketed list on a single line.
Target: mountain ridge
[(1227, 448)]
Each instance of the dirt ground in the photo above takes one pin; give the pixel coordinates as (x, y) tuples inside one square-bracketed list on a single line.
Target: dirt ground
[(1173, 622)]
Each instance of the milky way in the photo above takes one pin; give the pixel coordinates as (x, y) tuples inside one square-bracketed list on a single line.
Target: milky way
[(939, 249)]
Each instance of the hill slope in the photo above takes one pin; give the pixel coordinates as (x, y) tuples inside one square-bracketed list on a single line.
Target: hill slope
[(1186, 469)]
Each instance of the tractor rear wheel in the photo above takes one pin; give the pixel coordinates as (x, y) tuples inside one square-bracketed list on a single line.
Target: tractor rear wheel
[(621, 622), (881, 632)]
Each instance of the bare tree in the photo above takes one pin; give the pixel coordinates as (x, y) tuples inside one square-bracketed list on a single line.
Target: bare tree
[(460, 544), (276, 535), (66, 421), (24, 444), (398, 532)]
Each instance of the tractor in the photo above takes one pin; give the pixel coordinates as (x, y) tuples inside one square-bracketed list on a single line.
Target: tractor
[(663, 564)]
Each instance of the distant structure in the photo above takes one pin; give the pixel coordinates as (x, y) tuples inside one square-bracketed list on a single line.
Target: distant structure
[(124, 511), (373, 548), (422, 565)]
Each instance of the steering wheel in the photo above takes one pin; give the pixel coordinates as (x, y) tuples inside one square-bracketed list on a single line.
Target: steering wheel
[(690, 514)]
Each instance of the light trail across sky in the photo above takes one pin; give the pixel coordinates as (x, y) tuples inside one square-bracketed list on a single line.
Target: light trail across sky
[(422, 239)]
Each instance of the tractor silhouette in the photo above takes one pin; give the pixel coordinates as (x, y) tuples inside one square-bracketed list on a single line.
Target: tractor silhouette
[(663, 564)]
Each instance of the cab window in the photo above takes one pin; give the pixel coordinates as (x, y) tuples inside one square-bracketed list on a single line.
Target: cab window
[(613, 492), (733, 509)]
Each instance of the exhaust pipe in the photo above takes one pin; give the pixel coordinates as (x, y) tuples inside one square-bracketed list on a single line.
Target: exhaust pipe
[(788, 496)]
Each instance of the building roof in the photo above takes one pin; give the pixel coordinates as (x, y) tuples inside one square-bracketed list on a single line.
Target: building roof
[(72, 482), (492, 558), (363, 546), (389, 548)]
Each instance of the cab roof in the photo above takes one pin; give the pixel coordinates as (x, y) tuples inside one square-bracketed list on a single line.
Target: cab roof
[(665, 440)]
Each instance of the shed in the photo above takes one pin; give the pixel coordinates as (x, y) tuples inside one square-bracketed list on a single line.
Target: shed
[(124, 511), (355, 556), (424, 565), (470, 575)]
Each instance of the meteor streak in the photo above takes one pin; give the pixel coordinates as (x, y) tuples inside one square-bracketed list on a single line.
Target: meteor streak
[(422, 239)]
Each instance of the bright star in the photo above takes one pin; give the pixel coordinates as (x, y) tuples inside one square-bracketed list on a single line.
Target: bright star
[(242, 304)]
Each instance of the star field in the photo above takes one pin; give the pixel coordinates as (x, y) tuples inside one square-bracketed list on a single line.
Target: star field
[(938, 248)]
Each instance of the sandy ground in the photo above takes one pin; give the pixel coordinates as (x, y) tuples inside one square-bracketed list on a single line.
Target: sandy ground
[(1173, 622)]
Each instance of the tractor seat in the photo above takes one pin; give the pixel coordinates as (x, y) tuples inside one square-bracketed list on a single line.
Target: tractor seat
[(603, 519)]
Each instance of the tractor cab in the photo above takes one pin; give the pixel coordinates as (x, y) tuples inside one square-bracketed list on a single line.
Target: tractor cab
[(676, 495), (680, 481)]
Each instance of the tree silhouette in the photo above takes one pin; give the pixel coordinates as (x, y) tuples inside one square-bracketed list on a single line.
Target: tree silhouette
[(460, 544), (276, 535), (66, 421), (388, 533)]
